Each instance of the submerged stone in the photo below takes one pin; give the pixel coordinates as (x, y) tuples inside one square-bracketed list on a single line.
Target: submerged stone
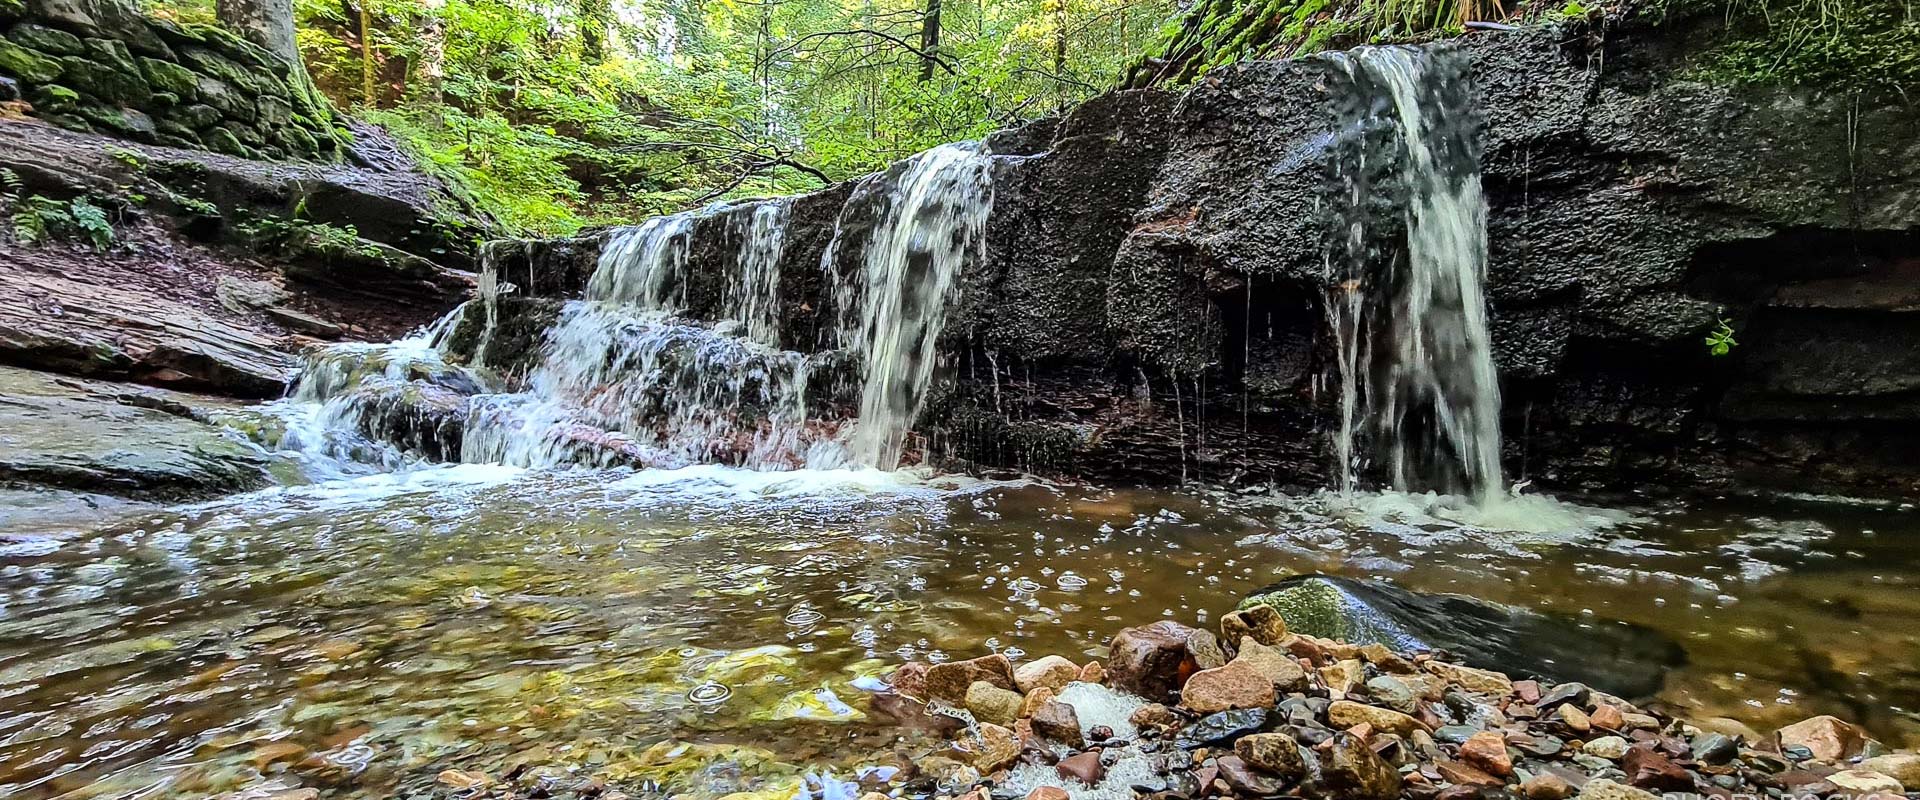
[(1625, 660)]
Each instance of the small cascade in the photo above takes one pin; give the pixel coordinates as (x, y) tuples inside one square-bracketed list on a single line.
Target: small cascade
[(932, 222), (1409, 313), (628, 376)]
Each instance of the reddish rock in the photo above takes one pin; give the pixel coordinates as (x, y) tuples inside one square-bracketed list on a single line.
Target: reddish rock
[(1607, 717), (1261, 622), (1458, 772), (1528, 691), (1546, 786), (1093, 673), (1648, 769), (1052, 672), (911, 679), (1083, 767), (1245, 781), (1151, 660), (1059, 722), (1154, 715), (950, 681), (1830, 738), (1236, 685), (1487, 751), (1048, 793)]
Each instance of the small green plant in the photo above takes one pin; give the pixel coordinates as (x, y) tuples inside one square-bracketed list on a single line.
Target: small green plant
[(36, 218), (1720, 341), (1573, 9), (130, 158)]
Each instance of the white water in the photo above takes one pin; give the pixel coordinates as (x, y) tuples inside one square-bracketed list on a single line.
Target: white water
[(626, 378), (935, 221), (1415, 354)]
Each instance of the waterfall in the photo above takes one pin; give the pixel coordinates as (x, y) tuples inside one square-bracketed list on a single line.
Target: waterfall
[(628, 376), (1409, 311), (933, 219)]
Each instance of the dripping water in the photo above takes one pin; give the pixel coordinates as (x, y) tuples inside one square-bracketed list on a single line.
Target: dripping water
[(1409, 309)]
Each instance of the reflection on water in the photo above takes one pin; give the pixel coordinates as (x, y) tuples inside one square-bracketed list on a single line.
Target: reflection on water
[(713, 629)]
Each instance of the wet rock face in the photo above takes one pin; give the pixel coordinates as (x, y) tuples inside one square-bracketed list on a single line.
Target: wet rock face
[(1624, 660)]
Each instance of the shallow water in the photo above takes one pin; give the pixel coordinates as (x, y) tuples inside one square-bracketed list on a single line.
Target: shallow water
[(711, 628)]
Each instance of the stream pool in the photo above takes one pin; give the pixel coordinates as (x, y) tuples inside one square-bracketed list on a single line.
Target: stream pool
[(711, 629)]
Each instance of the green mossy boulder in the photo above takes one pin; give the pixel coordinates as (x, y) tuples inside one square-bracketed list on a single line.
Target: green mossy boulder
[(46, 40), (273, 113), (166, 76), (124, 121), (223, 96), (172, 132), (11, 10), (162, 101), (110, 53), (30, 66), (52, 98), (222, 140), (247, 134), (197, 117), (104, 82)]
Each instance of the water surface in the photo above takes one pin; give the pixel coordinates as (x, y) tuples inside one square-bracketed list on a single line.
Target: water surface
[(712, 628)]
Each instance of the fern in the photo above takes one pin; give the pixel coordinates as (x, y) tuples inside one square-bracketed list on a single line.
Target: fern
[(89, 222)]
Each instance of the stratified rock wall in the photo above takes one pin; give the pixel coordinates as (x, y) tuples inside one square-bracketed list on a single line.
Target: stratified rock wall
[(1151, 306), (99, 65)]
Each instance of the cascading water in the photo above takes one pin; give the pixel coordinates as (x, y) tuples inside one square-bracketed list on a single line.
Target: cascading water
[(626, 376), (933, 220), (1409, 313)]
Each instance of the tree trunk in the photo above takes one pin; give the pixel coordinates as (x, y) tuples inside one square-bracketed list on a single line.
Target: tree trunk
[(366, 54), (268, 23), (929, 40)]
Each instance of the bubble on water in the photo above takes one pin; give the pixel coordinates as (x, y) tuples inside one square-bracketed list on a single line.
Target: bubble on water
[(710, 693), (1013, 652), (802, 617), (1070, 581), (1024, 585)]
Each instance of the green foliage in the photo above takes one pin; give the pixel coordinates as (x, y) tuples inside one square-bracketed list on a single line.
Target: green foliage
[(130, 158), (38, 218), (1870, 46), (1720, 341), (551, 116)]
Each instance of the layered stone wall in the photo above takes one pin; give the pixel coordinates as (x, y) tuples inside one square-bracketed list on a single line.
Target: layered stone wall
[(99, 65)]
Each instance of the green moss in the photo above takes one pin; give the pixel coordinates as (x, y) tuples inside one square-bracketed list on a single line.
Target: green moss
[(53, 98), (104, 82), (167, 76), (45, 39), (28, 65), (1871, 46)]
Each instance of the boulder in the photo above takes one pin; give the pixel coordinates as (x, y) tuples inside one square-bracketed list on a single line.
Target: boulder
[(1487, 751), (1152, 660), (1625, 660), (1282, 670), (1059, 722), (1052, 672), (1277, 753), (1237, 685), (1829, 738), (1354, 772), (951, 680), (990, 703), (1902, 767)]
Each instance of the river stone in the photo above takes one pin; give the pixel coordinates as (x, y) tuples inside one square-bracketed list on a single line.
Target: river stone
[(1035, 699), (1224, 726), (1083, 767), (1575, 719), (1546, 786), (1205, 650), (1478, 681), (1343, 676), (1829, 738), (1277, 753), (1864, 782), (951, 680), (1607, 717), (1355, 772), (1038, 793), (1625, 660), (1611, 748), (1487, 750), (1153, 716), (1245, 780), (1346, 714), (1456, 772), (991, 747), (1060, 722), (1261, 622), (1902, 767), (1571, 692), (1150, 660), (990, 703), (1650, 769), (1052, 672), (1604, 789), (1392, 693), (1237, 685), (1285, 673)]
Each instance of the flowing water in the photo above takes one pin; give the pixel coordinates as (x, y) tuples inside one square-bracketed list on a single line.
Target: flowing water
[(1410, 316), (717, 629), (715, 623)]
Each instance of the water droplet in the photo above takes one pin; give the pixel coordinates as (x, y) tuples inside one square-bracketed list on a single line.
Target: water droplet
[(709, 693)]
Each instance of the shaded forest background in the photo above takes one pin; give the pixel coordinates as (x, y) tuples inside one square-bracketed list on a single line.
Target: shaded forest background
[(557, 114)]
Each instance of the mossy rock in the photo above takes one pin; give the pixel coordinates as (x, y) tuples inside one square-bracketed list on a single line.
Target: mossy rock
[(208, 62), (171, 131), (247, 134), (162, 101), (71, 122), (221, 140), (273, 113), (111, 53), (30, 66), (197, 117), (301, 142), (221, 95), (105, 83), (124, 121), (167, 76), (52, 98), (11, 10), (46, 40)]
